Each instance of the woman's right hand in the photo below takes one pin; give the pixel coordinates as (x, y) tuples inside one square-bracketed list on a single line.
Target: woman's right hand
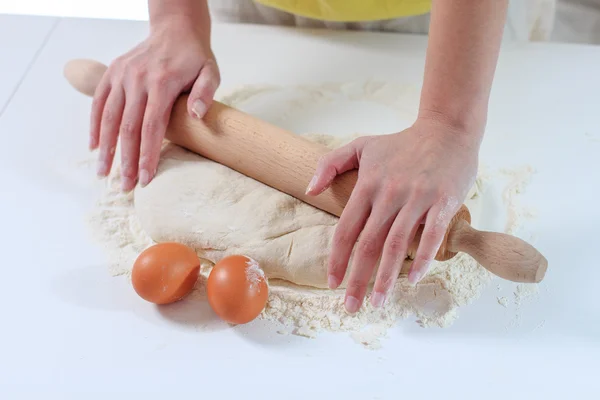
[(136, 94)]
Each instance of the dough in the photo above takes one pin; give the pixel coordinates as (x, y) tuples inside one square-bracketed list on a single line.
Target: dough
[(220, 212)]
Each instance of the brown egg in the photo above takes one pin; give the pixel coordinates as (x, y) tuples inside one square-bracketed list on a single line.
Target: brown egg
[(237, 289), (165, 272)]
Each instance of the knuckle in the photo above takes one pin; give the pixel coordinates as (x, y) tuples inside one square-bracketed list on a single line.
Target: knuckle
[(136, 73), (323, 161), (368, 248), (108, 116), (397, 243), (128, 128), (150, 128), (360, 141), (326, 161), (356, 287), (423, 259), (435, 233), (421, 187), (117, 71), (214, 77), (115, 67), (120, 60), (163, 77), (343, 238), (390, 194), (366, 190)]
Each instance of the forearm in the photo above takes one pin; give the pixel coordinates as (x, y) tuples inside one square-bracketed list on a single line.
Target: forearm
[(186, 14), (464, 42)]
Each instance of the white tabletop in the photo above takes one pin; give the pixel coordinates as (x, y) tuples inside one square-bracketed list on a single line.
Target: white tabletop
[(70, 327), (21, 38)]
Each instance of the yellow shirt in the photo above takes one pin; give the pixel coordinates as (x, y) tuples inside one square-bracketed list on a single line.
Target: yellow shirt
[(351, 10)]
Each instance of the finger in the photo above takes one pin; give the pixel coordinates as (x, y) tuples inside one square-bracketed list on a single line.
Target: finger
[(98, 103), (130, 133), (156, 118), (368, 251), (438, 218), (400, 236), (334, 163), (204, 89), (348, 229), (111, 119)]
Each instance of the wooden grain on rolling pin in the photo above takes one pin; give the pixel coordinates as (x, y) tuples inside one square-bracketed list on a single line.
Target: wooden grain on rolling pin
[(259, 150)]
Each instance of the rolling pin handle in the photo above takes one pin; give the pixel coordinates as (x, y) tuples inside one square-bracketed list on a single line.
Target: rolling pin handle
[(504, 255)]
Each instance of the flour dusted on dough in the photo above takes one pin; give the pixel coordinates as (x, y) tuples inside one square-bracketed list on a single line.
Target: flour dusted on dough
[(254, 273), (189, 202)]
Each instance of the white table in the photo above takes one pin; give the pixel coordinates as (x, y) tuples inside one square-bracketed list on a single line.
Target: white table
[(70, 327), (20, 39)]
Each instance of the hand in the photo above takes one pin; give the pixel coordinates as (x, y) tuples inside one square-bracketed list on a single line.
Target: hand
[(136, 95), (422, 174)]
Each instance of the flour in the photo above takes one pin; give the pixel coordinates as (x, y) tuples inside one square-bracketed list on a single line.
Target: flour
[(526, 291), (520, 178), (370, 337), (306, 311), (503, 301), (254, 273)]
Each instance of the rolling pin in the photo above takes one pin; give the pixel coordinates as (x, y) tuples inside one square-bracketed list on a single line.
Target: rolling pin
[(287, 162)]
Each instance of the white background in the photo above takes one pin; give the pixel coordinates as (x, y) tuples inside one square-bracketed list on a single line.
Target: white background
[(113, 9)]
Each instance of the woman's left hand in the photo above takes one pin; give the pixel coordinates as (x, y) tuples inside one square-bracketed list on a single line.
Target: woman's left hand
[(421, 174)]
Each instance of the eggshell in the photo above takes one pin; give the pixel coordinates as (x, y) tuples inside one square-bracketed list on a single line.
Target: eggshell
[(165, 272), (237, 289)]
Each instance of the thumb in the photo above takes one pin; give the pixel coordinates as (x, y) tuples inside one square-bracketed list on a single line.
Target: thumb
[(335, 163), (203, 91)]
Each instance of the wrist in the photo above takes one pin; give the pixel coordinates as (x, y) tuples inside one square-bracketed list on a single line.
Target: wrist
[(470, 123), (185, 16), (467, 132)]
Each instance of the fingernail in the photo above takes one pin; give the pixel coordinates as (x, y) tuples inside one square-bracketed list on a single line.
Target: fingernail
[(311, 184), (199, 108), (415, 275), (332, 282), (144, 177), (127, 184), (351, 304), (93, 143), (377, 299), (102, 169)]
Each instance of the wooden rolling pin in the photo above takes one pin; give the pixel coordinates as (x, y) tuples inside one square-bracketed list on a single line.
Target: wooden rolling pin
[(287, 162)]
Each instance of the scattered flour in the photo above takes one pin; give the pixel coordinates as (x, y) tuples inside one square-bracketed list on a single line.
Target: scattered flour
[(526, 291), (254, 273), (371, 336), (503, 301), (520, 178), (592, 138), (523, 292), (433, 302)]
